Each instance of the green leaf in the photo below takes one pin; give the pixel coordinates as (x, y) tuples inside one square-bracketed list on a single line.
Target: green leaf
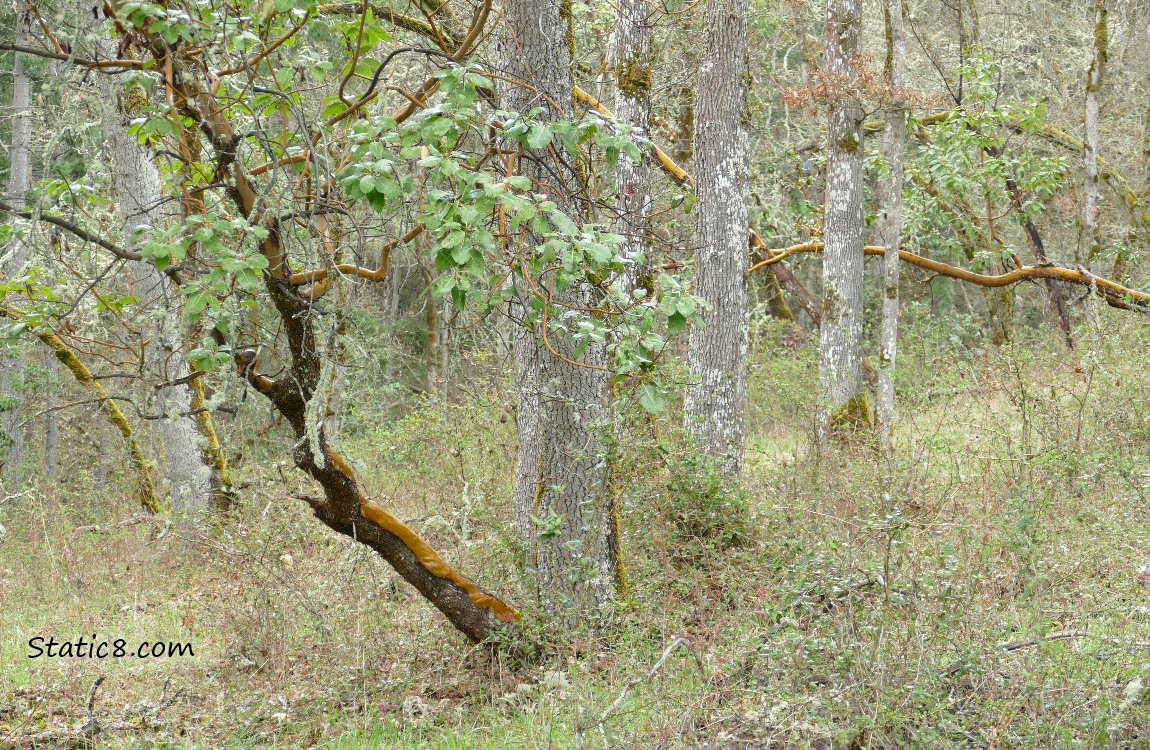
[(247, 279), (539, 136), (564, 224), (650, 399), (676, 323), (461, 254)]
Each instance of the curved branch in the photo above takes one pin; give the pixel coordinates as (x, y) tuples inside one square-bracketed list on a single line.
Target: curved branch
[(1115, 294), (75, 229), (677, 173)]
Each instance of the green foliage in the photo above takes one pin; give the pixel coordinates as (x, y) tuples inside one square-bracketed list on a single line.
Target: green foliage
[(969, 160), (710, 512)]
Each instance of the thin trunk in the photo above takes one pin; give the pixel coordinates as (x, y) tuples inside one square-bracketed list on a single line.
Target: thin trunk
[(445, 351), (431, 345), (717, 351), (18, 179), (562, 494), (1094, 79), (630, 61), (139, 193), (842, 402), (51, 423), (890, 217)]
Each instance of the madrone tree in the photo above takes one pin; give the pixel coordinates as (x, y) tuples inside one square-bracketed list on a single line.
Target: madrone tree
[(306, 144)]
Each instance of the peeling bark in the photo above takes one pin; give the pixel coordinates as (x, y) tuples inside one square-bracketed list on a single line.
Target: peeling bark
[(717, 351)]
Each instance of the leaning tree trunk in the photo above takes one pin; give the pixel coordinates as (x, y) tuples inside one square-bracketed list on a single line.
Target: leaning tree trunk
[(302, 395), (842, 402), (630, 62), (717, 351), (890, 215), (562, 493), (1093, 88), (139, 193), (18, 177)]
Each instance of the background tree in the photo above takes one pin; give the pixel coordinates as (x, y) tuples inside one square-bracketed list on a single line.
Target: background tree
[(842, 401), (717, 350), (562, 491), (890, 215)]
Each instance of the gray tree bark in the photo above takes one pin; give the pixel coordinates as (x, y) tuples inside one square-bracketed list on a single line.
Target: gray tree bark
[(562, 494), (717, 351), (139, 194), (51, 423), (842, 401), (630, 62), (1094, 78), (18, 179), (890, 216)]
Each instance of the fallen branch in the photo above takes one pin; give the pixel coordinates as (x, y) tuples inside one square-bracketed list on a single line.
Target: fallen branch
[(1058, 635), (134, 520), (1115, 294)]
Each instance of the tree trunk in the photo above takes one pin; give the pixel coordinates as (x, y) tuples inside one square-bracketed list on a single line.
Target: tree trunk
[(18, 179), (562, 494), (51, 422), (890, 216), (630, 61), (431, 344), (717, 351), (139, 193), (1093, 88), (842, 402)]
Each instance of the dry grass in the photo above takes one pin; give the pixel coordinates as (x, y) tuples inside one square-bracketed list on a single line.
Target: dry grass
[(867, 608)]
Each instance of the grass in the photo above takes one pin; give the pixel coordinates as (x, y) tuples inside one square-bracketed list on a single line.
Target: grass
[(863, 602)]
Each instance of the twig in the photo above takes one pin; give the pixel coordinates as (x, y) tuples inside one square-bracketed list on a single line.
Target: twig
[(675, 643), (105, 527), (1057, 635), (92, 694)]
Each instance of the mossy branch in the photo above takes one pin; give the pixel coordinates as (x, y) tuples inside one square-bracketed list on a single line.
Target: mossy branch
[(84, 376)]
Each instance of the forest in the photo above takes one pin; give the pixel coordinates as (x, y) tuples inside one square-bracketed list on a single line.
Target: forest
[(574, 374)]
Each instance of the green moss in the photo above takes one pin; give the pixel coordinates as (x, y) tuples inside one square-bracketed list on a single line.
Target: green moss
[(567, 14), (853, 416), (634, 77), (850, 143)]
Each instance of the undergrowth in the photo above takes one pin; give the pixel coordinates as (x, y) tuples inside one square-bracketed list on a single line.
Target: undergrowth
[(983, 587)]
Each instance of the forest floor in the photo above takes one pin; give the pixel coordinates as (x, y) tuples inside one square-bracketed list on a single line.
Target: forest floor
[(984, 588)]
